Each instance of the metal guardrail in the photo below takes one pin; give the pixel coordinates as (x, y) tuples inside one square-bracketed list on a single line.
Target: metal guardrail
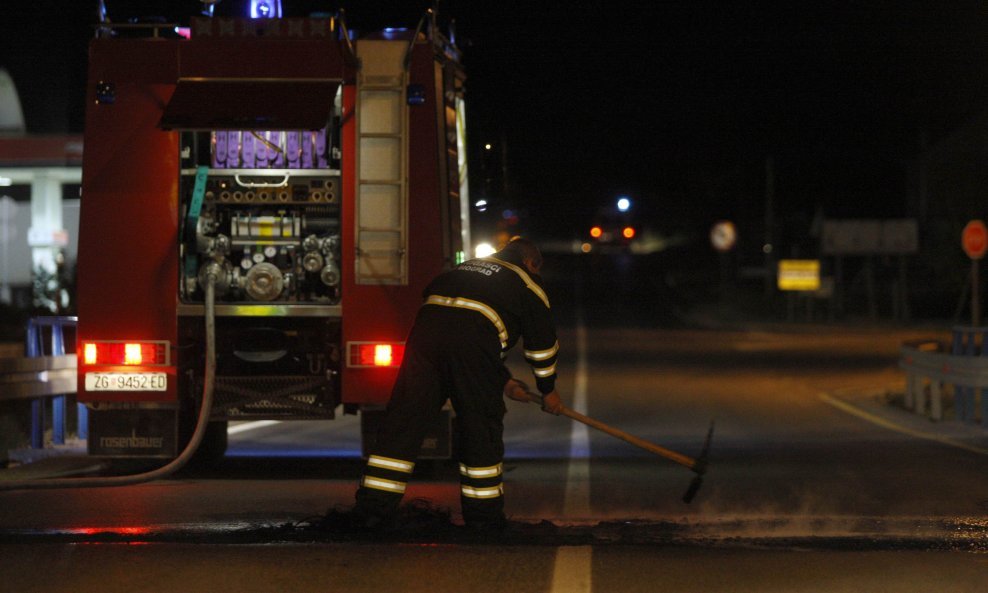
[(934, 370), (43, 376), (47, 373)]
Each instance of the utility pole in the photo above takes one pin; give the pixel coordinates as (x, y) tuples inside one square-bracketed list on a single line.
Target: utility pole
[(769, 246)]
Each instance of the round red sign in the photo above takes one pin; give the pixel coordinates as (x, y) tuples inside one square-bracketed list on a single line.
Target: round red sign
[(974, 239)]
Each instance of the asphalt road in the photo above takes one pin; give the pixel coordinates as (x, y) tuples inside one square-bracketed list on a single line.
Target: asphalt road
[(801, 493)]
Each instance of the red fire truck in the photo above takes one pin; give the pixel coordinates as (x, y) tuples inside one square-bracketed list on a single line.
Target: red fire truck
[(263, 201)]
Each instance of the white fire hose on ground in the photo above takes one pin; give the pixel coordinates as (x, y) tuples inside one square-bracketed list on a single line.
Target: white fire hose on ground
[(205, 409)]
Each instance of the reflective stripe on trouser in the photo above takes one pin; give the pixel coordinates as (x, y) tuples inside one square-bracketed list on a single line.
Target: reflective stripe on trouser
[(481, 482), (481, 492), (481, 448), (385, 479)]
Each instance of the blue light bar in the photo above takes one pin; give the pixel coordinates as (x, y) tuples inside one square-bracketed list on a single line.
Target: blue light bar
[(265, 9)]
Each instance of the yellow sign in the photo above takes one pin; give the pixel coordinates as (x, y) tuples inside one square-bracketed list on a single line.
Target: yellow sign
[(799, 274)]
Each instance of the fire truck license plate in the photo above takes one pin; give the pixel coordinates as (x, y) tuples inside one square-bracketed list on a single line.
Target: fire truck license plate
[(126, 381)]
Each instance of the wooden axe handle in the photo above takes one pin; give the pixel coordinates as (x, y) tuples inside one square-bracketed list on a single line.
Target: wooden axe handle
[(624, 436)]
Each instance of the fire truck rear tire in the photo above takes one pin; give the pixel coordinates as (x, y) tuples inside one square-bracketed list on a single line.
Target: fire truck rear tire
[(213, 447)]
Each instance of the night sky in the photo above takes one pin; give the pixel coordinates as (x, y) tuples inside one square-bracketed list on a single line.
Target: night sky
[(677, 104)]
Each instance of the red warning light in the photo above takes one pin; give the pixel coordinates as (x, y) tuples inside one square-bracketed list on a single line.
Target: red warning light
[(127, 353), (383, 356), (376, 355)]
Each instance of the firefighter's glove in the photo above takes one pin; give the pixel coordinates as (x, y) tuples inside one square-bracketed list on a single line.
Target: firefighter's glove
[(516, 390), (552, 403)]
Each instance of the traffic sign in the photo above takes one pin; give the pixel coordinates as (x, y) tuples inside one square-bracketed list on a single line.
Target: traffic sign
[(723, 236), (974, 239), (799, 274)]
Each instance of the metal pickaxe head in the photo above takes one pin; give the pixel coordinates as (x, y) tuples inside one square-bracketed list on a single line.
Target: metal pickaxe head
[(700, 467)]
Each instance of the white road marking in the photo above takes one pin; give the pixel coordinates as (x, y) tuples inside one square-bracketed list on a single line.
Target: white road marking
[(576, 504), (572, 571), (238, 428)]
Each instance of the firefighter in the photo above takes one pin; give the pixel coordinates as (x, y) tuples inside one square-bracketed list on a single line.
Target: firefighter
[(472, 315)]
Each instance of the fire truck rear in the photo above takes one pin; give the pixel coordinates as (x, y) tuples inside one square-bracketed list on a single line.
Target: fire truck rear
[(279, 183)]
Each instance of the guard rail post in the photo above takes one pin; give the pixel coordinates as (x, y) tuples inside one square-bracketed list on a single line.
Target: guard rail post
[(963, 344), (58, 402), (919, 383), (936, 400), (919, 402), (967, 402), (35, 348), (982, 393), (922, 375), (910, 394)]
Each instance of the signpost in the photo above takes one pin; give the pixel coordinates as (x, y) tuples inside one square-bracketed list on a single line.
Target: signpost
[(723, 236), (974, 240)]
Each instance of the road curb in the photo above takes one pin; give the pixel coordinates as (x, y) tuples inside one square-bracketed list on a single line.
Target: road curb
[(53, 467), (873, 405)]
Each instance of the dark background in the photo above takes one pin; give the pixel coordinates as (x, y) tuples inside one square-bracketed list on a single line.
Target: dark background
[(676, 104)]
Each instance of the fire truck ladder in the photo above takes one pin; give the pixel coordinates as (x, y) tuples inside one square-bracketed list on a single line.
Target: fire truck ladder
[(382, 164)]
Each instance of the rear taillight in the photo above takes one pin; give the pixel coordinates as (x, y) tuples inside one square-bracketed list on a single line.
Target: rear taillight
[(125, 353), (375, 354)]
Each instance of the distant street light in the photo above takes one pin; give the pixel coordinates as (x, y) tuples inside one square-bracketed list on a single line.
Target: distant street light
[(623, 204), (484, 249)]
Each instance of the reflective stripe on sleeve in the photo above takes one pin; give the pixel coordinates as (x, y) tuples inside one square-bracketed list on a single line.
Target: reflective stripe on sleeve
[(543, 373), (486, 311), (542, 354), (492, 492), (382, 484), (393, 464), (480, 472)]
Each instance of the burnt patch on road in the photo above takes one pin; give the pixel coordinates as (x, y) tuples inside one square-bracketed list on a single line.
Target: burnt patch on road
[(436, 528)]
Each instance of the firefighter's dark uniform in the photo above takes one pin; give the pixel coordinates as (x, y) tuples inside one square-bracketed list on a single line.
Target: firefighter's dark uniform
[(471, 317)]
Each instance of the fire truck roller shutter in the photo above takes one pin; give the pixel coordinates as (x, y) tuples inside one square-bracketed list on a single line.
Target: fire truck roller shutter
[(299, 104)]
